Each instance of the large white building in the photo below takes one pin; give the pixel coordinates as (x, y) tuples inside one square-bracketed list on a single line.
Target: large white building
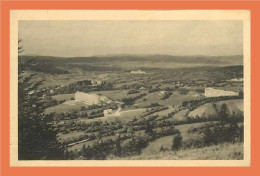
[(90, 98), (211, 92)]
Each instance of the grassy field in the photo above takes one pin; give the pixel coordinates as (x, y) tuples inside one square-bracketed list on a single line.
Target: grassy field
[(166, 142), (127, 115), (64, 108), (73, 134), (181, 115), (116, 94), (65, 97), (175, 99), (154, 147), (207, 110), (62, 79), (226, 151), (165, 112), (89, 143), (190, 136), (236, 106), (113, 95)]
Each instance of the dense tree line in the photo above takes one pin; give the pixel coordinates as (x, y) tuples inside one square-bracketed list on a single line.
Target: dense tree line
[(133, 91), (131, 100), (82, 86)]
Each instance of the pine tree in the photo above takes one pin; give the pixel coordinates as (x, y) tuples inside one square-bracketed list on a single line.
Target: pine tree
[(36, 139)]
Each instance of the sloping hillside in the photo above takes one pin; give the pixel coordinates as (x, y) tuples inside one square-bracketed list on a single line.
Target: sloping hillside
[(234, 107), (181, 115), (206, 110)]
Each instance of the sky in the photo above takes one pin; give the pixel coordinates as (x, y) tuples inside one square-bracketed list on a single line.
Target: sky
[(90, 38)]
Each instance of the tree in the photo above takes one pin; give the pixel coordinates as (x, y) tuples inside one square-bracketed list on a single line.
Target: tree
[(87, 152), (66, 154), (118, 148), (149, 130), (162, 149), (183, 91), (36, 139), (83, 108), (223, 113), (176, 142)]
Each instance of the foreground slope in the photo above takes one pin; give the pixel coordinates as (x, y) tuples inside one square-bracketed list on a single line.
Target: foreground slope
[(226, 151)]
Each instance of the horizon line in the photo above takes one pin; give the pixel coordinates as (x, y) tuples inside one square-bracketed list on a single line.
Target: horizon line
[(108, 55)]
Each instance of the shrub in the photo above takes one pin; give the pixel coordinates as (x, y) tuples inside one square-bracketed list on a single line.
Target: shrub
[(192, 143), (162, 149), (223, 132), (133, 91), (183, 91), (153, 90)]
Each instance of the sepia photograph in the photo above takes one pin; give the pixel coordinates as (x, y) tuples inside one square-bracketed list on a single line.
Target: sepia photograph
[(131, 89)]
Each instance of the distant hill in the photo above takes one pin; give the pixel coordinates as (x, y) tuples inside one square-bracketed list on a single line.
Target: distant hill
[(129, 62), (228, 60)]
